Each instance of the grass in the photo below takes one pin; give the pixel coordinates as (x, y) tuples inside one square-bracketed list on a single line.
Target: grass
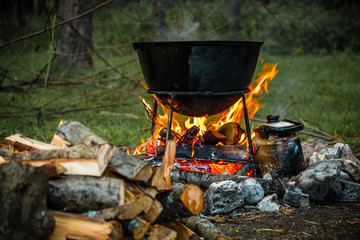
[(321, 90)]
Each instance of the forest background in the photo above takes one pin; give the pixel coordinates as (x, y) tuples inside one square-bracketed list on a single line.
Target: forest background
[(73, 60)]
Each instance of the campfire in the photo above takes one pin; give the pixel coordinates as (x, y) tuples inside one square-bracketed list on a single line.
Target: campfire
[(201, 158)]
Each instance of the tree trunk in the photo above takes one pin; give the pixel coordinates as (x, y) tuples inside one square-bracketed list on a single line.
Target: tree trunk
[(234, 19), (75, 43)]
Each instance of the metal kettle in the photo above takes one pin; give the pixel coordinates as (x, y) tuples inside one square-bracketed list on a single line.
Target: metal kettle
[(278, 148)]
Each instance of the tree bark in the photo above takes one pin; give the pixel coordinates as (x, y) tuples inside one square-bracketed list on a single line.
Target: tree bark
[(204, 228), (75, 42), (83, 193)]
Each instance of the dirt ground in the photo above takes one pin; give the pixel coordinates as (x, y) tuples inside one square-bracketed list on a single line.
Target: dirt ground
[(340, 220)]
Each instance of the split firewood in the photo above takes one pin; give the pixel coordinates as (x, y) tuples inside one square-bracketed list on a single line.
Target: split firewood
[(181, 201), (190, 135), (232, 131), (159, 231), (154, 207), (168, 163), (234, 153), (204, 228), (128, 166), (158, 180), (83, 227), (212, 137), (84, 193), (136, 228), (183, 232), (127, 211), (53, 169), (89, 157), (22, 143)]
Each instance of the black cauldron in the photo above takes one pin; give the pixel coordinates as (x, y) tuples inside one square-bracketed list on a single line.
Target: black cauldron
[(204, 77)]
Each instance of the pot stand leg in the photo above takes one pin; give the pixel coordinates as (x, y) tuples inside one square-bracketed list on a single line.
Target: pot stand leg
[(248, 133)]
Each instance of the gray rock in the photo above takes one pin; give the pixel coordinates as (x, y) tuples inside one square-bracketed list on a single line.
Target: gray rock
[(23, 208), (317, 157), (267, 176), (269, 203), (350, 191), (321, 181), (351, 169), (296, 199), (252, 191), (223, 197), (331, 152), (345, 152)]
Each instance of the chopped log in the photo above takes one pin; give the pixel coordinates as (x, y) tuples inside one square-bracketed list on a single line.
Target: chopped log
[(136, 228), (204, 228), (159, 231), (23, 209), (158, 180), (181, 201), (183, 232), (69, 224), (117, 233), (90, 157), (152, 211), (53, 169), (22, 143), (233, 153), (83, 193), (128, 166), (162, 135), (212, 137), (168, 163), (190, 135), (232, 131), (204, 180), (127, 211)]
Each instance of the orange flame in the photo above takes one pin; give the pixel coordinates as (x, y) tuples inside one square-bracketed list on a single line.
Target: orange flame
[(233, 114)]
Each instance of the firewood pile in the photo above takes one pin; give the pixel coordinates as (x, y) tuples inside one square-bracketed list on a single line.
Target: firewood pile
[(81, 187)]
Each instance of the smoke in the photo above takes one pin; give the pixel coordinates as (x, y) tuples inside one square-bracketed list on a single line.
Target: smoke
[(186, 30)]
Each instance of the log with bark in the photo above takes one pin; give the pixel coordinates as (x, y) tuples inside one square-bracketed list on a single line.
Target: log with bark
[(204, 228), (89, 157), (22, 143), (128, 166), (83, 193), (204, 180), (136, 228), (158, 231), (181, 201), (76, 226), (183, 232), (233, 153)]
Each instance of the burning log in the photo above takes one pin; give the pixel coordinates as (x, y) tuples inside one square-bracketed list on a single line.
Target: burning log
[(230, 153), (204, 228), (232, 131), (76, 226), (84, 193), (190, 135), (89, 157), (181, 201), (212, 137), (127, 166), (162, 134)]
